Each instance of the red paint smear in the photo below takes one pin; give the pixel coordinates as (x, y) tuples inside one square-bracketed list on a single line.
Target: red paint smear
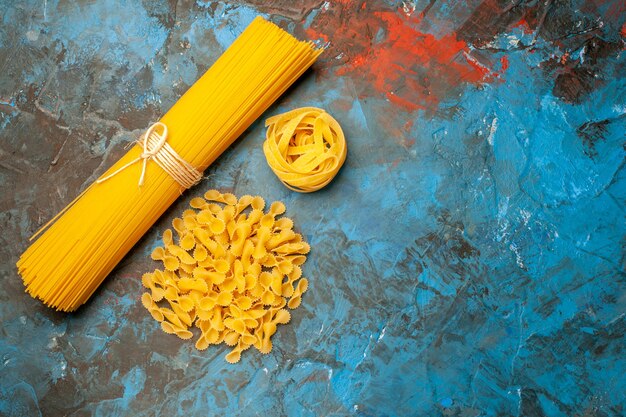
[(409, 105), (408, 126), (523, 24), (313, 35), (504, 63), (414, 69), (623, 31), (480, 68)]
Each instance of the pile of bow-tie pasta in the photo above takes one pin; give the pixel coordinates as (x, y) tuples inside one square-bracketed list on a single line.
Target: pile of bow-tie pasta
[(231, 273)]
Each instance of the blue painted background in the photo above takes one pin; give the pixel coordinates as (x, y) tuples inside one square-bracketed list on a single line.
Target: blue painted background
[(467, 261)]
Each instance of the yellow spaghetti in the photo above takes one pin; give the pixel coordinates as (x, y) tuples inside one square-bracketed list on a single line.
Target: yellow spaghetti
[(82, 244)]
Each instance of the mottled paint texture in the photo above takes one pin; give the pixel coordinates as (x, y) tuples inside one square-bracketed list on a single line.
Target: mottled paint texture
[(467, 261)]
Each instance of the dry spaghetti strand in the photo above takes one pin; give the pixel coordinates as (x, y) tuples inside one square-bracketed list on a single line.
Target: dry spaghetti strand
[(81, 246), (305, 148)]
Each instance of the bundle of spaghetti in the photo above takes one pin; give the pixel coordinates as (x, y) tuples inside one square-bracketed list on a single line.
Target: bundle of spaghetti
[(82, 244)]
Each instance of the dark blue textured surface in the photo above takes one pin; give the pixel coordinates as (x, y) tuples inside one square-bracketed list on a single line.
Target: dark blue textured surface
[(468, 260)]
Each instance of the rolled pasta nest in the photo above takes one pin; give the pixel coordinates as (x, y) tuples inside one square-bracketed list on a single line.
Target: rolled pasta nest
[(305, 148)]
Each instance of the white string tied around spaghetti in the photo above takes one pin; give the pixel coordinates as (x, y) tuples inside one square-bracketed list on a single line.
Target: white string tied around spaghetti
[(156, 148)]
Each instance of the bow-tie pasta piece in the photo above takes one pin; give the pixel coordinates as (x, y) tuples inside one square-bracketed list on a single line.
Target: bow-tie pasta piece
[(169, 262), (296, 298), (230, 270), (157, 292)]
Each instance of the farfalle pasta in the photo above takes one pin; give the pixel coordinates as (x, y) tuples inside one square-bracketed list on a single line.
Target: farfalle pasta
[(305, 148), (229, 269)]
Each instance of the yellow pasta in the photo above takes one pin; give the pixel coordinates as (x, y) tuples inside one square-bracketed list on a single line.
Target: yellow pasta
[(237, 290), (305, 148), (84, 242)]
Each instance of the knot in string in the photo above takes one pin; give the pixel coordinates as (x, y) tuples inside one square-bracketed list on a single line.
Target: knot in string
[(156, 148)]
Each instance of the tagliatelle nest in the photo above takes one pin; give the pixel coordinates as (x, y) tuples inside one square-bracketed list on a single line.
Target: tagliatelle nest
[(305, 148), (231, 273)]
